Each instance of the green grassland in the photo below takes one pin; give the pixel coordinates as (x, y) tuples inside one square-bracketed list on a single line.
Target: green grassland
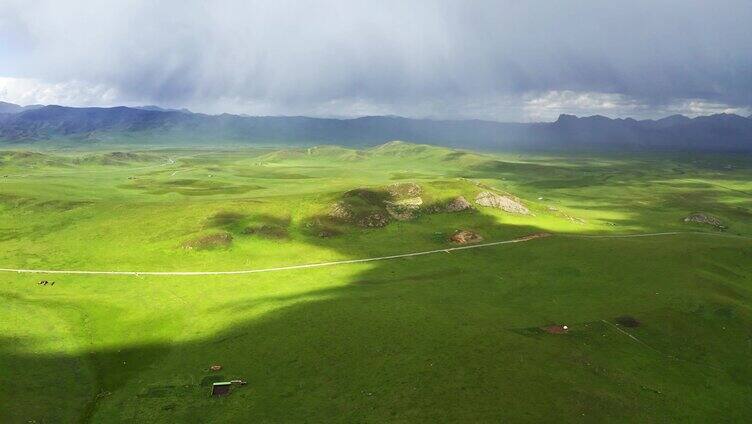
[(448, 337)]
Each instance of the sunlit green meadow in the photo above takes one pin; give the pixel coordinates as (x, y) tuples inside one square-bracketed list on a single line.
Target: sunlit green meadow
[(443, 337)]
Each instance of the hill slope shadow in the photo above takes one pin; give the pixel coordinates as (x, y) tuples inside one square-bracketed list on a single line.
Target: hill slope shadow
[(417, 339)]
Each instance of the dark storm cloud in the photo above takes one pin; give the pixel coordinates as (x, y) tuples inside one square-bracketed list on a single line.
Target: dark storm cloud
[(419, 57)]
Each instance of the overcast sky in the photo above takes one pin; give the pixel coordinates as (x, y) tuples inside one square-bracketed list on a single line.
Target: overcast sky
[(499, 60)]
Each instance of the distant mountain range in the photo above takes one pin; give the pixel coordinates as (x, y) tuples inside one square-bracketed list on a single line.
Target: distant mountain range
[(157, 126), (12, 108)]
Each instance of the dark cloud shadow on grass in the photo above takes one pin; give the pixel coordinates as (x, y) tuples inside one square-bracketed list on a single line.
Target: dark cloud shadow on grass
[(431, 338), (315, 340)]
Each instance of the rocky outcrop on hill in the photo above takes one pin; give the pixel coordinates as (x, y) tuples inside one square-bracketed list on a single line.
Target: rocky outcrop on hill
[(369, 208), (376, 207), (458, 204), (341, 211), (373, 220), (404, 190), (702, 218), (404, 210), (505, 203)]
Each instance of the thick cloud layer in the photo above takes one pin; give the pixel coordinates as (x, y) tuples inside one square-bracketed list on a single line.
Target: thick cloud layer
[(489, 59)]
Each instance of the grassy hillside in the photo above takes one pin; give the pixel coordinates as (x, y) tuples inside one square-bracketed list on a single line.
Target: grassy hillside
[(658, 327)]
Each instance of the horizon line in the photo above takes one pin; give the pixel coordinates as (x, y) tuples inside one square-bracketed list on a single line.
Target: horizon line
[(156, 108)]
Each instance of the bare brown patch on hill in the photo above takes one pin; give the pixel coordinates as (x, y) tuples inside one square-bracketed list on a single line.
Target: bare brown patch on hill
[(210, 241), (556, 329), (533, 236), (465, 237)]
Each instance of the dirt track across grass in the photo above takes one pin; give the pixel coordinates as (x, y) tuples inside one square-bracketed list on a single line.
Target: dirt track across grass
[(355, 261)]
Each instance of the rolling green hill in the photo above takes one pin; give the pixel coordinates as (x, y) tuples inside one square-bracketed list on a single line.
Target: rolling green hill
[(658, 326)]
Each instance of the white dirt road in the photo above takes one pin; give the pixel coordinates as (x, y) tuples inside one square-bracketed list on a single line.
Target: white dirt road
[(355, 261)]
